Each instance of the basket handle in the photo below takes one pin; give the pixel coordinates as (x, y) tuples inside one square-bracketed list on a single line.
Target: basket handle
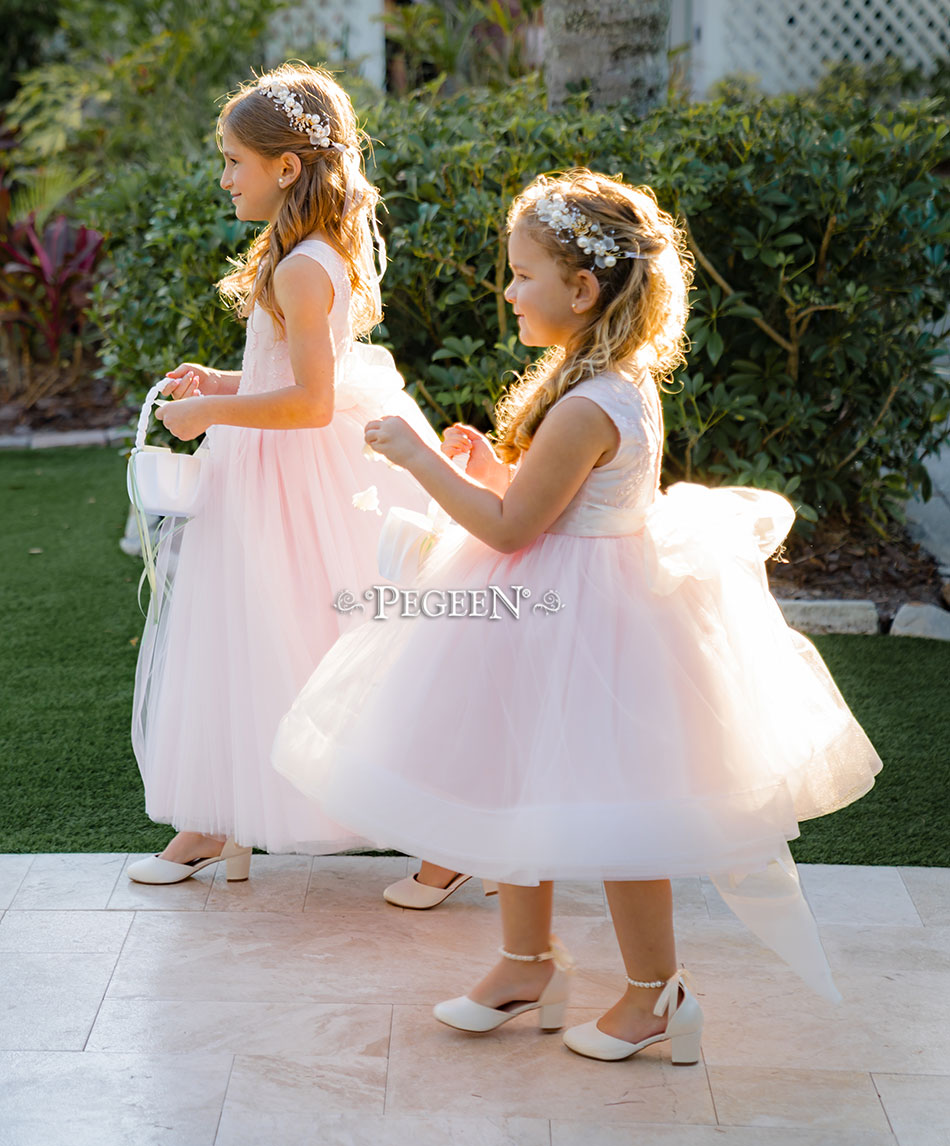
[(150, 399)]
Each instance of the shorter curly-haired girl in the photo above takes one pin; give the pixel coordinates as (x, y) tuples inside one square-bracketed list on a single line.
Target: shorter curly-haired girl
[(645, 713)]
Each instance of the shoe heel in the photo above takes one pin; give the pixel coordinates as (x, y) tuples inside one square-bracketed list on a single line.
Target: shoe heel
[(552, 1016), (489, 887), (685, 1048), (237, 868)]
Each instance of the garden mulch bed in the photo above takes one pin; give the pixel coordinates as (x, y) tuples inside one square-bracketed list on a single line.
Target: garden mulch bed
[(845, 563), (91, 406)]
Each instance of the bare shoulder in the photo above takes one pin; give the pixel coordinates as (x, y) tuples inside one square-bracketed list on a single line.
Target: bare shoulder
[(578, 419), (302, 286), (298, 272)]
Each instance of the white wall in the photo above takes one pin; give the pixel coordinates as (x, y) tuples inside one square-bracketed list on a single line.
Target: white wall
[(351, 29)]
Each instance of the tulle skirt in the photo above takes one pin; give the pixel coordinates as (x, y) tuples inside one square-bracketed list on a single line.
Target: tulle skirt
[(634, 707), (247, 590)]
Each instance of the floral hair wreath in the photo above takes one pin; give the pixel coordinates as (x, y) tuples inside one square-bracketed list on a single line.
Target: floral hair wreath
[(315, 128), (588, 235)]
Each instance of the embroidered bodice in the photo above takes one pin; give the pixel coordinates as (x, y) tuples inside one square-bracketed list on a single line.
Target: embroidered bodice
[(615, 497), (266, 363)]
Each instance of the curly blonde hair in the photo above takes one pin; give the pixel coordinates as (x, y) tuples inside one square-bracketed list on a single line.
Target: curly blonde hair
[(317, 201), (639, 319)]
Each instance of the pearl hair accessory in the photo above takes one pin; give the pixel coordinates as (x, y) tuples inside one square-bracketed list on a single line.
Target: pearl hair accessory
[(315, 128), (589, 236)]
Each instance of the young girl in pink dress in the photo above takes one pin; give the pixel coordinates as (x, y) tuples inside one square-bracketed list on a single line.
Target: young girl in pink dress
[(638, 710), (276, 535)]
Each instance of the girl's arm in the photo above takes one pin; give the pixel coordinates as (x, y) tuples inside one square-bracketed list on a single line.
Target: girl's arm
[(305, 295), (188, 377), (574, 437)]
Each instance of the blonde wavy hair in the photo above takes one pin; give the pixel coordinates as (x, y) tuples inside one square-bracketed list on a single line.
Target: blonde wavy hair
[(637, 324), (317, 200)]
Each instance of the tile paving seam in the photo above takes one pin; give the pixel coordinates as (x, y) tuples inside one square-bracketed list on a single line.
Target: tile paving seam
[(105, 991), (709, 1087), (880, 1098), (224, 1099)]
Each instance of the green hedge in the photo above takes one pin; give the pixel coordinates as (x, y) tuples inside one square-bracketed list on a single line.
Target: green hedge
[(821, 240)]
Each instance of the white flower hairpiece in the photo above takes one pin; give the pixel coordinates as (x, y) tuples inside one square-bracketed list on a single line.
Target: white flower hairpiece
[(315, 128), (589, 236)]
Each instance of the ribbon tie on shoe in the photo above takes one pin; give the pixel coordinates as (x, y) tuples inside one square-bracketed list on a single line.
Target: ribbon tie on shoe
[(563, 960), (669, 1000)]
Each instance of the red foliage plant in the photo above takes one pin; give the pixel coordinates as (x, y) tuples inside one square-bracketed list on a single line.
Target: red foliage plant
[(46, 280)]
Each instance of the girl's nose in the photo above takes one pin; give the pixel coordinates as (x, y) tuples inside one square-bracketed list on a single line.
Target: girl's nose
[(509, 295)]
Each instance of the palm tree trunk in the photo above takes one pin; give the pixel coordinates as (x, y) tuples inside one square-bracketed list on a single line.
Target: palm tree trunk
[(617, 48)]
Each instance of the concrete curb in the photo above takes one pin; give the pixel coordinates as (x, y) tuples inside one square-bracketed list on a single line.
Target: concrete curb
[(53, 439), (927, 621), (859, 617)]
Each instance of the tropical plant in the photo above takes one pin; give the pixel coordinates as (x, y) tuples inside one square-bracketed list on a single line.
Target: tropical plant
[(454, 44), (136, 81), (46, 284)]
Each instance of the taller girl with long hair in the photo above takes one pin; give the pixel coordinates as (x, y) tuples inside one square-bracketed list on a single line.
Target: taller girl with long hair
[(276, 535)]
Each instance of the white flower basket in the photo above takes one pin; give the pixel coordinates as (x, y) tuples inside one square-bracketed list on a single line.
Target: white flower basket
[(161, 482)]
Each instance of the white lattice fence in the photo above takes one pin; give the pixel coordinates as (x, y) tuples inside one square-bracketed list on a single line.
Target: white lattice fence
[(788, 43)]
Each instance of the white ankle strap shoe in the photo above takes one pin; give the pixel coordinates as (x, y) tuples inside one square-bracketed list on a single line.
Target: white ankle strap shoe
[(684, 1029)]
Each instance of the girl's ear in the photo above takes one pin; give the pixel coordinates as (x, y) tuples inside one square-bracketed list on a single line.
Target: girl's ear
[(586, 291), (290, 168)]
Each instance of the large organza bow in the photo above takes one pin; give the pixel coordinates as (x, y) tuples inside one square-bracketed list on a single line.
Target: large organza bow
[(690, 531), (366, 373)]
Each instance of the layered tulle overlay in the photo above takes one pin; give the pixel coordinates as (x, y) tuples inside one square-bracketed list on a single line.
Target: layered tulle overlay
[(646, 714), (244, 603)]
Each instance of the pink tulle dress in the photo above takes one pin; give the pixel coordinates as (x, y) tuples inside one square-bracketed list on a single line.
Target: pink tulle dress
[(247, 590), (646, 714)]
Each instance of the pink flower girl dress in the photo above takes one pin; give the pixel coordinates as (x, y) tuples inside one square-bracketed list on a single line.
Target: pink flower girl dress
[(646, 714), (244, 607)]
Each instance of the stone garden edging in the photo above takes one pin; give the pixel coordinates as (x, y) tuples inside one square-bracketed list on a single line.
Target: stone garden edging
[(53, 439)]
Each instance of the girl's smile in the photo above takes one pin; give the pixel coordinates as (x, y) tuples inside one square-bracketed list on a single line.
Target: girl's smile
[(252, 181), (549, 309)]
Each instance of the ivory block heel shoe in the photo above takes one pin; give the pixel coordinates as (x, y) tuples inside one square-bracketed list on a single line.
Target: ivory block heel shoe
[(465, 1015), (409, 892), (684, 1029), (154, 869)]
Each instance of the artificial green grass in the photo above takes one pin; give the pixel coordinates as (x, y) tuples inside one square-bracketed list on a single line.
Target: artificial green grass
[(70, 626), (899, 689)]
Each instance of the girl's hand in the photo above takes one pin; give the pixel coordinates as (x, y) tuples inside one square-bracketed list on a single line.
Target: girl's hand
[(189, 379), (394, 439), (483, 464), (186, 419)]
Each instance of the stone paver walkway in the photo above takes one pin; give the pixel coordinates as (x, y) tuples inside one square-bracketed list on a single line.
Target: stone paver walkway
[(295, 1009)]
